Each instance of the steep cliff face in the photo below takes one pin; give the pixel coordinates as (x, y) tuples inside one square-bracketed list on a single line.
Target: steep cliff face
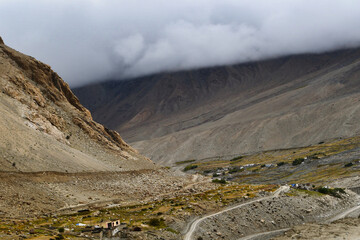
[(278, 103), (44, 127)]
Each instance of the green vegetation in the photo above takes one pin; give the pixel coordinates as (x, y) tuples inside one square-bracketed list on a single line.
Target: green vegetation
[(186, 161), (297, 161), (156, 222), (279, 164), (190, 167), (237, 158), (235, 169), (138, 217), (221, 181), (335, 192), (348, 164)]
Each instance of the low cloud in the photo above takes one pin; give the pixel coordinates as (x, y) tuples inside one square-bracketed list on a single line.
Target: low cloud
[(88, 41)]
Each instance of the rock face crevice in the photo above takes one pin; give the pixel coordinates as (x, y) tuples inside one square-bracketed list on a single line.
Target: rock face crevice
[(39, 99)]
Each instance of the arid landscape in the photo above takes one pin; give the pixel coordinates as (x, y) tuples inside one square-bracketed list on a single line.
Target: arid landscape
[(164, 120)]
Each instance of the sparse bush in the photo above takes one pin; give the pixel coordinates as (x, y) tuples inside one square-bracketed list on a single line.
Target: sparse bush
[(313, 156), (137, 229), (237, 158), (279, 164), (61, 230), (221, 181), (186, 161), (190, 167), (348, 164), (297, 161), (263, 165), (155, 222), (235, 169), (331, 191), (59, 237)]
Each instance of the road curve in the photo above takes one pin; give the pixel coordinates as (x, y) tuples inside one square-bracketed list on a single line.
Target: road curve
[(194, 224), (344, 214), (264, 234)]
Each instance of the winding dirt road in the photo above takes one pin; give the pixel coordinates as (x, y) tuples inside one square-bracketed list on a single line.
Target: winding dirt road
[(192, 227)]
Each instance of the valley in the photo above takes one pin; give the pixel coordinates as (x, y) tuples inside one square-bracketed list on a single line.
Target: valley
[(236, 151)]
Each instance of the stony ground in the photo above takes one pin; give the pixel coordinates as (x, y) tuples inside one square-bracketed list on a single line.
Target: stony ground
[(344, 229), (289, 209), (24, 195)]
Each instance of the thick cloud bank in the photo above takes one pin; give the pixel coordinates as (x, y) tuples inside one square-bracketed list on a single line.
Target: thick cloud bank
[(88, 40)]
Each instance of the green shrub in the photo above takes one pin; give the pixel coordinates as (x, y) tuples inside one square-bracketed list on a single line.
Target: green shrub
[(155, 222), (280, 164), (331, 191), (190, 167), (221, 181), (59, 237), (297, 161), (61, 230), (237, 158), (186, 161), (348, 164), (235, 169)]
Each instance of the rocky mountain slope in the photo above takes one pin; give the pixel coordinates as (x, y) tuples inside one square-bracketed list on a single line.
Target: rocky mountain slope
[(278, 103), (43, 127)]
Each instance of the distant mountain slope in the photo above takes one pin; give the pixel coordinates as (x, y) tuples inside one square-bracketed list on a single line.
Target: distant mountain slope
[(278, 103), (43, 127)]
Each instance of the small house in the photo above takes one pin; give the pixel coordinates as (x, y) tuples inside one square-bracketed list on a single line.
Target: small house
[(110, 224)]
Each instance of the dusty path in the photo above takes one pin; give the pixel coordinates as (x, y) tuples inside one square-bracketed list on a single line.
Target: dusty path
[(264, 234), (192, 227)]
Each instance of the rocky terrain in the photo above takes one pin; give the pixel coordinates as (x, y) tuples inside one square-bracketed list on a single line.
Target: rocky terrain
[(43, 193), (56, 161), (348, 229), (43, 126), (62, 174), (287, 210), (274, 104)]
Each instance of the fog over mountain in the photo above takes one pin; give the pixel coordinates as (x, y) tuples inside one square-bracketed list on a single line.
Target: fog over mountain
[(86, 41)]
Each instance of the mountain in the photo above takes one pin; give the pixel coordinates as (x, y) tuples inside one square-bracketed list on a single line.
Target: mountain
[(283, 102), (44, 127)]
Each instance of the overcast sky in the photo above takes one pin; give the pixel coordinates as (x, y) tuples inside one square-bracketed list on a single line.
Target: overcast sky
[(91, 40)]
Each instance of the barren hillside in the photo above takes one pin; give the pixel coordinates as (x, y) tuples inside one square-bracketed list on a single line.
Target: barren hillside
[(43, 126), (279, 103)]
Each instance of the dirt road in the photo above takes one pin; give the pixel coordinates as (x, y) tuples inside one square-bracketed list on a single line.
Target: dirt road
[(192, 227)]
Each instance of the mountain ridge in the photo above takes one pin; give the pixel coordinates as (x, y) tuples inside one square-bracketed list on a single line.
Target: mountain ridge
[(232, 109)]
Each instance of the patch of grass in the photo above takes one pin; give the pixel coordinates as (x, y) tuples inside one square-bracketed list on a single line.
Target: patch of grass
[(185, 161), (156, 222), (348, 164), (297, 161), (236, 158), (221, 181), (279, 164), (235, 169), (335, 192), (190, 167)]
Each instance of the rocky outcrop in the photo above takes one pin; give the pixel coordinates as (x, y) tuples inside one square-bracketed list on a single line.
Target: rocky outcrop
[(46, 104)]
